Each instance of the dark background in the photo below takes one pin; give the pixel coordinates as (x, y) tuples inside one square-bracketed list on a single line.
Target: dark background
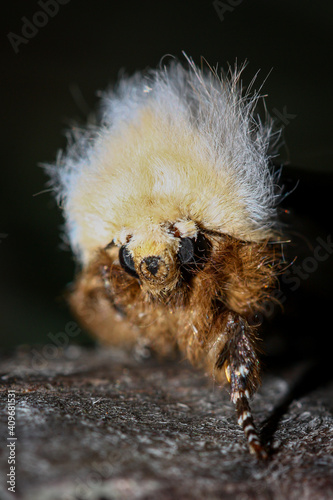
[(53, 80)]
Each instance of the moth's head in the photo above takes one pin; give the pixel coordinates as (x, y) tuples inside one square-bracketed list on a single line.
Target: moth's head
[(164, 255)]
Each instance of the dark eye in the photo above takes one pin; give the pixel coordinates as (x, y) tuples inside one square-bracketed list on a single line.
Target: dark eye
[(193, 250), (126, 261)]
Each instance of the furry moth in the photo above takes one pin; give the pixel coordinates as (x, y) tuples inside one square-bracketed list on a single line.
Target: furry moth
[(171, 211)]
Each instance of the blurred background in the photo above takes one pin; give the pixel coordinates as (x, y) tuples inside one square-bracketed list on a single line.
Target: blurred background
[(57, 55)]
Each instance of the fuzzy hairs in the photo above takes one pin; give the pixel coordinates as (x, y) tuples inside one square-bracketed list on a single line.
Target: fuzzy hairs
[(170, 209), (176, 142)]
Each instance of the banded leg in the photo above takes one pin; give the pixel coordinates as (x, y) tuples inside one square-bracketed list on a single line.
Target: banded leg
[(239, 358)]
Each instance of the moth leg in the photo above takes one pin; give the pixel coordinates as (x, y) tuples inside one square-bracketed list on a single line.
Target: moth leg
[(240, 361)]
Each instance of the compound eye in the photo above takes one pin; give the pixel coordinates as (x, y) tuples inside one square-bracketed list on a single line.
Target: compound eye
[(193, 250), (126, 261), (186, 250)]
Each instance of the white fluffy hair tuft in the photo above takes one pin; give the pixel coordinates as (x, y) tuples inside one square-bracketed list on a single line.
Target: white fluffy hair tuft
[(173, 144)]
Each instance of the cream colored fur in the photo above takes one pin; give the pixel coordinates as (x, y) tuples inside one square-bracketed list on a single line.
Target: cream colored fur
[(179, 146)]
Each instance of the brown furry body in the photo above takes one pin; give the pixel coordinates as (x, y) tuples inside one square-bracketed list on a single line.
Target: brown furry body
[(170, 208), (198, 316)]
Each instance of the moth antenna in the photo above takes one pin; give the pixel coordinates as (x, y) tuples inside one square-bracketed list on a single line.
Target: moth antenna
[(240, 361), (246, 422)]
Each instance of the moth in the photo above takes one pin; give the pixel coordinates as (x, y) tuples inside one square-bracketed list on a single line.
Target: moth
[(170, 205)]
